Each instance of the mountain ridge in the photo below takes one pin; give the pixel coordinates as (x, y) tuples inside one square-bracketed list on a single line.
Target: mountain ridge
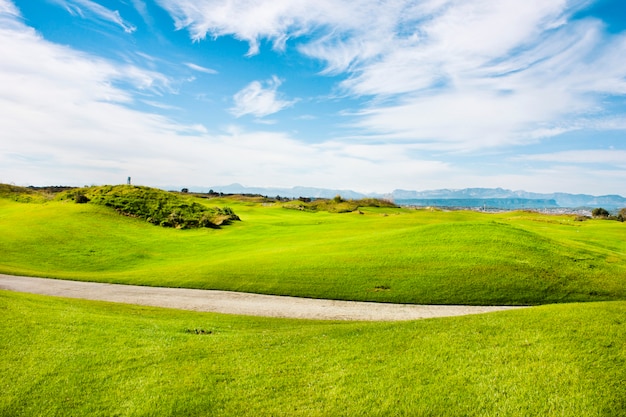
[(401, 197)]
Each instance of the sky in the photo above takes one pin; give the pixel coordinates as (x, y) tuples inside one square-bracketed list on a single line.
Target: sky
[(366, 95)]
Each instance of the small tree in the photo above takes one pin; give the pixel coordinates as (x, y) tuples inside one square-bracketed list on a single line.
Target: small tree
[(621, 216), (600, 212)]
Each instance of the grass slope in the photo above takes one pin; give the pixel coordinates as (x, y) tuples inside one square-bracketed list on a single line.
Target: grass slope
[(156, 206), (63, 357), (384, 254)]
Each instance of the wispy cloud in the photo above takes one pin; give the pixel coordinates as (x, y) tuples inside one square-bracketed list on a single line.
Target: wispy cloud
[(431, 78), (8, 9), (91, 10), (199, 68), (71, 95), (608, 157), (162, 106), (447, 74), (280, 20), (259, 99), (85, 132), (142, 9)]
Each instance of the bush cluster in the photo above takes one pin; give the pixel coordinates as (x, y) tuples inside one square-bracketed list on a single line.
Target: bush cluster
[(155, 206), (336, 205), (604, 214)]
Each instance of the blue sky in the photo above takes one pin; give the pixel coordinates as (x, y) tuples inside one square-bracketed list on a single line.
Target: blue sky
[(366, 95)]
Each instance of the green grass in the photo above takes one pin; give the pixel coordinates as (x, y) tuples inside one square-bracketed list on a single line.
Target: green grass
[(384, 254), (61, 357)]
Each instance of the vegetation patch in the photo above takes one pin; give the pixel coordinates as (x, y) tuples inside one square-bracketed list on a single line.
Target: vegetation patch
[(198, 331), (153, 205), (24, 194), (63, 357), (336, 205)]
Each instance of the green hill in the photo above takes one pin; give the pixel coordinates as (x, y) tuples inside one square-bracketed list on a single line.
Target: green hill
[(153, 205)]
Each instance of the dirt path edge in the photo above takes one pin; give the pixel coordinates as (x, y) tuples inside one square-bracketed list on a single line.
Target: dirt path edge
[(230, 302)]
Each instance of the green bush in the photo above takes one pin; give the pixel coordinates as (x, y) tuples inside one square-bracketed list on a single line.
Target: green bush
[(336, 205), (600, 212)]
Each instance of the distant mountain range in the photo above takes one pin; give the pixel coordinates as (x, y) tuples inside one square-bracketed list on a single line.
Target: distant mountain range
[(467, 197), (293, 192), (520, 199)]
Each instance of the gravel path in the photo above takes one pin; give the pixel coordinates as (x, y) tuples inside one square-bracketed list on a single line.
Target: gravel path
[(237, 303)]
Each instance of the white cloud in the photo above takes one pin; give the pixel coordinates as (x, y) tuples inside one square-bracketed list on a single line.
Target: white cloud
[(65, 118), (449, 74), (62, 105), (472, 83), (63, 121), (8, 8), (93, 10), (250, 21), (607, 157), (259, 99), (161, 106), (199, 68), (142, 9)]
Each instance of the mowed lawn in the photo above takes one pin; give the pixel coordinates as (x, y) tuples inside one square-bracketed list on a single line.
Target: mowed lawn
[(383, 254), (63, 357)]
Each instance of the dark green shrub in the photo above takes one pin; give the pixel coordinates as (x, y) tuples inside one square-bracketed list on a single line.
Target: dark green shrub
[(81, 198), (600, 212)]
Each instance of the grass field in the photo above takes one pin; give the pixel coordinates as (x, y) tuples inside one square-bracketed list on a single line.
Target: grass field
[(62, 357), (383, 254)]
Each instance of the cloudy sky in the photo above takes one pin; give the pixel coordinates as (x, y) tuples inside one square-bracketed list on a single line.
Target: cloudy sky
[(369, 95)]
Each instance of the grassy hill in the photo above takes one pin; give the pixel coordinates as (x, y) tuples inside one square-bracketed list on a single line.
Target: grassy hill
[(384, 254), (70, 357), (153, 205)]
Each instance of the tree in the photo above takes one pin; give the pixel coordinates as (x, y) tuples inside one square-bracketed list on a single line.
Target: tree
[(621, 216), (600, 212)]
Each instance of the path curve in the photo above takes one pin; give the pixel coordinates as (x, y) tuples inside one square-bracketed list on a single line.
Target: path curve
[(230, 302)]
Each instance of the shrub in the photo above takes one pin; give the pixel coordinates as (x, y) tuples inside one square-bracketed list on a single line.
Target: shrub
[(600, 212), (336, 205), (81, 198)]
